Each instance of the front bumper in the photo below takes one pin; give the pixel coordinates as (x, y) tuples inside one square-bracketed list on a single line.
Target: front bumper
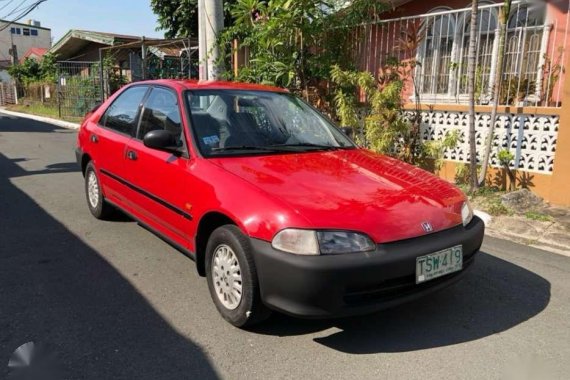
[(358, 283), (79, 156)]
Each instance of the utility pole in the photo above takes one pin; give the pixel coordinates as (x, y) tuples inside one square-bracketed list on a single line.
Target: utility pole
[(214, 26), (202, 49), (210, 25), (143, 56)]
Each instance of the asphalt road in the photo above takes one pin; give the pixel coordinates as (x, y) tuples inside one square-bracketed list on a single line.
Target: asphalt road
[(112, 301)]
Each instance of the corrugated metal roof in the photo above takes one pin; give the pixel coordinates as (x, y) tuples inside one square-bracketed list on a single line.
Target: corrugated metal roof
[(103, 38)]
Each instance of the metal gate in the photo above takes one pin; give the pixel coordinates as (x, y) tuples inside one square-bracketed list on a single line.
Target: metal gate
[(78, 87)]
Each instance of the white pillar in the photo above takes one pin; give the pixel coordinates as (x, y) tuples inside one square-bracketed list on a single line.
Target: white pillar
[(202, 45), (495, 58), (542, 60), (214, 24)]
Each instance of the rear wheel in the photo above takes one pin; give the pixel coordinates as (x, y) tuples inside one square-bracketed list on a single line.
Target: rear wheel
[(232, 277), (95, 200)]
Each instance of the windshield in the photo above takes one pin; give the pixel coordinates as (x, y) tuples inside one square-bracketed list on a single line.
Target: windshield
[(236, 122)]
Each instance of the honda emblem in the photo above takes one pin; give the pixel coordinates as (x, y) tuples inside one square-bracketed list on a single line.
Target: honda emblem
[(427, 227)]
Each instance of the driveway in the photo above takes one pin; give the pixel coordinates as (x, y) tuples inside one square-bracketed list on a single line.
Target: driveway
[(112, 301)]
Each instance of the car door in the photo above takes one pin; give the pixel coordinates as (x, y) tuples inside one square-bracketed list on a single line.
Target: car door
[(109, 138), (160, 178)]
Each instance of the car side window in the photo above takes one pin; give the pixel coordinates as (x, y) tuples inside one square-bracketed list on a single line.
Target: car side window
[(122, 115), (161, 111)]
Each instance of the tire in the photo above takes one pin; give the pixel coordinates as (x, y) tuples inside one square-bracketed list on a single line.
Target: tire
[(95, 199), (228, 246)]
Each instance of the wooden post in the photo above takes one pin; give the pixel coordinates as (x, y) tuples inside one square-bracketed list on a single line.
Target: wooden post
[(235, 55)]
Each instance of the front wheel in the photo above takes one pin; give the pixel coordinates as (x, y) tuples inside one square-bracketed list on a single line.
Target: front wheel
[(95, 200), (232, 277)]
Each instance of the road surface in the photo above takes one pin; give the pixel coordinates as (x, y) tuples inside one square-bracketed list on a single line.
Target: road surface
[(112, 301)]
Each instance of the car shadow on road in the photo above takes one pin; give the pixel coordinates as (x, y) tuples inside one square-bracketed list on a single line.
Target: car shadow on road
[(56, 290), (494, 297), (59, 168)]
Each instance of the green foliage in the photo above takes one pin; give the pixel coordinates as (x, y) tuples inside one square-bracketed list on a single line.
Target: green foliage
[(374, 109), (436, 149), (292, 43), (26, 72), (462, 174), (84, 92), (480, 85), (496, 208), (179, 18), (551, 72), (114, 79), (533, 215), (514, 89), (277, 35), (379, 117), (33, 71), (48, 68), (505, 157), (38, 108)]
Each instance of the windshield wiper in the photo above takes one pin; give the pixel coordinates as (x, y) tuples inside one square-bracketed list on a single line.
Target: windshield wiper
[(277, 148), (248, 147), (308, 145)]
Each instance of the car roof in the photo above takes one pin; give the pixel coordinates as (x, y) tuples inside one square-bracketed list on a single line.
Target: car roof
[(214, 85)]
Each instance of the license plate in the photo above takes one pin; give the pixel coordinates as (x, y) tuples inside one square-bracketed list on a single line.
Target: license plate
[(439, 264)]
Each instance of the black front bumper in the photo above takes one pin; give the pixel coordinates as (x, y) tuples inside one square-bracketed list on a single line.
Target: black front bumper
[(360, 283), (79, 156)]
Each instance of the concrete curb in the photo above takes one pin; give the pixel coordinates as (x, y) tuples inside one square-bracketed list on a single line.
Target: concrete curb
[(486, 218), (59, 123)]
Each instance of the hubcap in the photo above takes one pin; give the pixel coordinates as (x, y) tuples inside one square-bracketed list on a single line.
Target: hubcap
[(93, 189), (226, 275)]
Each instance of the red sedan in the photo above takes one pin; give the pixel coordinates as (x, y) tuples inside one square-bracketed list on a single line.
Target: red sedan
[(279, 209)]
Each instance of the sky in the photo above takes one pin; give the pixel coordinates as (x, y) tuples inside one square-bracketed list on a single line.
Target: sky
[(114, 16)]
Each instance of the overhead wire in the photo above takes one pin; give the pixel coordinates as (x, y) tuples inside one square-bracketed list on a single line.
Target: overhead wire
[(24, 12)]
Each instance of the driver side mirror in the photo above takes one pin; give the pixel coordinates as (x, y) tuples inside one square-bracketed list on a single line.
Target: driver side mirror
[(348, 131), (164, 140)]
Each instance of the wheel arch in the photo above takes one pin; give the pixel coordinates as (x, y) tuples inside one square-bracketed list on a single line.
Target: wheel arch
[(209, 222), (85, 159)]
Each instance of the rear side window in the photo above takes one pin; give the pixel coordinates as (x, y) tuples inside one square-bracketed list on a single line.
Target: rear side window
[(121, 116), (161, 111)]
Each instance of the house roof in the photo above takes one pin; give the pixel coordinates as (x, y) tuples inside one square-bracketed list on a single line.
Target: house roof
[(38, 52), (74, 40)]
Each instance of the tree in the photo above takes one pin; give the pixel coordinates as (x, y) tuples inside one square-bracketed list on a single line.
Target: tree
[(473, 184), (33, 71), (294, 43), (503, 20), (179, 18)]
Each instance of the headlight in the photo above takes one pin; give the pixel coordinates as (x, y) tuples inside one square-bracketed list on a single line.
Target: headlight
[(466, 213), (299, 242), (334, 242), (305, 242)]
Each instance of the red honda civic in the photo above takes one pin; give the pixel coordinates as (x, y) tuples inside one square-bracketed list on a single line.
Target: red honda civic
[(279, 209)]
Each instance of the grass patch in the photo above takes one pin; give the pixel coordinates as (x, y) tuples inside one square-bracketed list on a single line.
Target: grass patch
[(40, 109), (488, 199), (496, 208), (533, 215)]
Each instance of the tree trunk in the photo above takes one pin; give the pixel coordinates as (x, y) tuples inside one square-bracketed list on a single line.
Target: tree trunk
[(503, 19), (471, 63)]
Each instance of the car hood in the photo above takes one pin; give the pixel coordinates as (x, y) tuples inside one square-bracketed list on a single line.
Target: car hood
[(354, 190)]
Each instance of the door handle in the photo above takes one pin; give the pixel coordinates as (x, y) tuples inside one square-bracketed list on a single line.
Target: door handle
[(94, 139), (131, 155)]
